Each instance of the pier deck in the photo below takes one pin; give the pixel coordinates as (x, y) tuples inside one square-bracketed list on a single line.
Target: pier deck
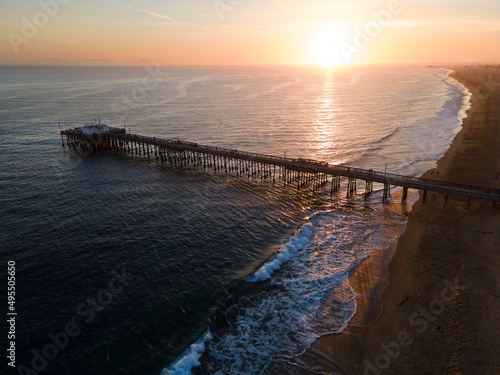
[(289, 170)]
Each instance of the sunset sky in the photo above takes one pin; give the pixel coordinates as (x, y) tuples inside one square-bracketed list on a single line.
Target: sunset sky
[(212, 32)]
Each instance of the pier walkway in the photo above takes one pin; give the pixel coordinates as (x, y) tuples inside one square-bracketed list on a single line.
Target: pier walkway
[(267, 167)]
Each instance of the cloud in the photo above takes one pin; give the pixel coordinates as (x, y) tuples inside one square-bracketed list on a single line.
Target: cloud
[(161, 16)]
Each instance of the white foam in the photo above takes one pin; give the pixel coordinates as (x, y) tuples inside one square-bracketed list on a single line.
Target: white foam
[(311, 295), (190, 358), (465, 101), (286, 252)]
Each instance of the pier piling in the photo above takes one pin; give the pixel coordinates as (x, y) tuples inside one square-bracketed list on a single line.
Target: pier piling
[(301, 172), (405, 194)]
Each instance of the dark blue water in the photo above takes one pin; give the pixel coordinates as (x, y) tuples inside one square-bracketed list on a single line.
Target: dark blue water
[(124, 263)]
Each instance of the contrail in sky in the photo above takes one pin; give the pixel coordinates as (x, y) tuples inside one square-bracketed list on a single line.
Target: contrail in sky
[(161, 16)]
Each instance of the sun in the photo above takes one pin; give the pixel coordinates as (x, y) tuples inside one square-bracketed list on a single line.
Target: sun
[(326, 49)]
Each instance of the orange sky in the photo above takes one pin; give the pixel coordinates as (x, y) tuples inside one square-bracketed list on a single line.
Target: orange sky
[(212, 32)]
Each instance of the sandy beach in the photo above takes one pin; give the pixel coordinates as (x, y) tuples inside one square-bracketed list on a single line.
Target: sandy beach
[(441, 310), (440, 307)]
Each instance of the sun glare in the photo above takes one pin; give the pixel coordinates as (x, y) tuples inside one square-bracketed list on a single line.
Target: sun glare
[(326, 51)]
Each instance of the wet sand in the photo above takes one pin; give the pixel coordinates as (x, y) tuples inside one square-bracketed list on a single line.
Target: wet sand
[(443, 248), (441, 292)]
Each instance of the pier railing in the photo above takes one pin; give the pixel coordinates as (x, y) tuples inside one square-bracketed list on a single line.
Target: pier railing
[(305, 165)]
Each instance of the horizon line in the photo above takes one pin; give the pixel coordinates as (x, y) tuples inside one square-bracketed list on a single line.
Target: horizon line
[(138, 63)]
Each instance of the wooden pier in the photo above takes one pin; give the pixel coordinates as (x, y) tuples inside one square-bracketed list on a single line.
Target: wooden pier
[(288, 171)]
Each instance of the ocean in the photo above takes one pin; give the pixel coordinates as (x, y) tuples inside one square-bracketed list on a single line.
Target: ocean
[(125, 266)]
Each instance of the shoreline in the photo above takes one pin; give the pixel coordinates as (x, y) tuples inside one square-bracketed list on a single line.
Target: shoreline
[(383, 282), (417, 331), (345, 352)]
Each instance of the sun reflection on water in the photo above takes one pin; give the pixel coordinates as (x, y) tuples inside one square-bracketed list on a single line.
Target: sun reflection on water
[(325, 137)]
